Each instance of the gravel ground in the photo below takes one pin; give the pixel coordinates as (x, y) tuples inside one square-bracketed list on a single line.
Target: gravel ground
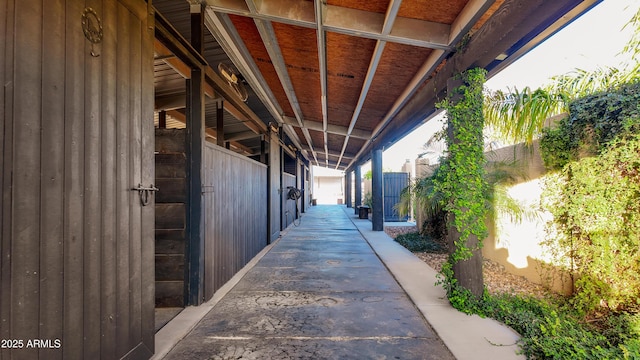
[(496, 278)]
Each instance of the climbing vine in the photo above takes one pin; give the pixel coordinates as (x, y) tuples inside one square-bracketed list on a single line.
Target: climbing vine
[(461, 181)]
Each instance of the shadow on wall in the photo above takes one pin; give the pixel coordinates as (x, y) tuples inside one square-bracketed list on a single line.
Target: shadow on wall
[(517, 246)]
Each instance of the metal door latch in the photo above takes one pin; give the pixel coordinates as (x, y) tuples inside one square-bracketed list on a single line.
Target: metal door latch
[(145, 193)]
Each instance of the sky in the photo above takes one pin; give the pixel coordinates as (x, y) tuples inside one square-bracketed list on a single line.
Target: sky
[(595, 39)]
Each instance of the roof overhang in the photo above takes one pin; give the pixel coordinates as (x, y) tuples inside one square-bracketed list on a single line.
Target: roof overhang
[(345, 77)]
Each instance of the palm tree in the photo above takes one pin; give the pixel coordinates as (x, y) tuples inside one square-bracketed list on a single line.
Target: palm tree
[(519, 115)]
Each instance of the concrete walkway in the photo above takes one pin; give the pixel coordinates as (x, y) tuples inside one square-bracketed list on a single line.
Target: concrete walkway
[(321, 292)]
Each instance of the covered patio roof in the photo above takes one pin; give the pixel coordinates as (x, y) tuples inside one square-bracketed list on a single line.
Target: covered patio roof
[(344, 77)]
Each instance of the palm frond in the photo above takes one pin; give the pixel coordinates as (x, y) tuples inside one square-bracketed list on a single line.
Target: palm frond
[(518, 116)]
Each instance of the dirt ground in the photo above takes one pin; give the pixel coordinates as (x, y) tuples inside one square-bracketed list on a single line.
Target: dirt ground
[(496, 278)]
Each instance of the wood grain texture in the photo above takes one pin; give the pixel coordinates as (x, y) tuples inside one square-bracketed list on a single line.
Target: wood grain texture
[(6, 144), (75, 234), (235, 198), (52, 185), (74, 183), (108, 308), (26, 187)]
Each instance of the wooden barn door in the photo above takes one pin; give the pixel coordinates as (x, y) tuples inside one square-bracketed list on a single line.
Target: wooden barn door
[(76, 136)]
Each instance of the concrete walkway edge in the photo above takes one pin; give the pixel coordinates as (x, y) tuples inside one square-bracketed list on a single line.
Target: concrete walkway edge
[(176, 329), (466, 336)]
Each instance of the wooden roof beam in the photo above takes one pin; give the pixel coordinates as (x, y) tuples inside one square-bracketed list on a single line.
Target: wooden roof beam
[(461, 26), (322, 68), (331, 128), (240, 136), (342, 20), (273, 49), (515, 20), (335, 154), (210, 132), (390, 18), (225, 33)]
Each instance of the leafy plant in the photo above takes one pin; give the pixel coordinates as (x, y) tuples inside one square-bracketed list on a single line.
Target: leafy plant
[(368, 199), (462, 185), (593, 122), (596, 207), (417, 242), (520, 115)]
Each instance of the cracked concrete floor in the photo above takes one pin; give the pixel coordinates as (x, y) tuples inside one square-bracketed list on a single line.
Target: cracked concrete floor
[(320, 293)]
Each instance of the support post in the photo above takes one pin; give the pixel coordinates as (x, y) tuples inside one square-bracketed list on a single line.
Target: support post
[(197, 25), (263, 150), (194, 219), (303, 188), (467, 125), (194, 267), (358, 189), (162, 119), (273, 182), (280, 189), (377, 199), (347, 188), (220, 123)]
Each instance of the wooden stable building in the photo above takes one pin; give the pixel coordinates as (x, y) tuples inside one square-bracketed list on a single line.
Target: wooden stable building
[(150, 149)]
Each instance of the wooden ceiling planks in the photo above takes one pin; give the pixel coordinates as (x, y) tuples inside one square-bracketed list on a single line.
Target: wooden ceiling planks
[(348, 60), (397, 67), (440, 11), (317, 137), (251, 37), (354, 145), (335, 141), (299, 49), (377, 6), (300, 134)]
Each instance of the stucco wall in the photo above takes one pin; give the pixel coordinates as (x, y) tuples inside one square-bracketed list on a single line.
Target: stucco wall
[(517, 245)]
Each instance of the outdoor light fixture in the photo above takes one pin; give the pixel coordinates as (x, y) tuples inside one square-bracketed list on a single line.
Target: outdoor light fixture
[(273, 127), (501, 57)]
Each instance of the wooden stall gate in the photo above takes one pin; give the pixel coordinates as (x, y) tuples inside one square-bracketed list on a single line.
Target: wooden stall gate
[(76, 133), (288, 205), (235, 214)]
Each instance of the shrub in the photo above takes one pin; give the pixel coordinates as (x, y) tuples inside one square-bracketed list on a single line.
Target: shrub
[(593, 123), (595, 198), (416, 242)]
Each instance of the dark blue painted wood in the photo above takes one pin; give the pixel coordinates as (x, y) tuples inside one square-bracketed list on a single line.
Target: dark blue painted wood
[(394, 183), (377, 207)]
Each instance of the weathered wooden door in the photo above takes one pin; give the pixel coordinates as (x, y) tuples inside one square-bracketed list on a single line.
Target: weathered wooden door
[(76, 135)]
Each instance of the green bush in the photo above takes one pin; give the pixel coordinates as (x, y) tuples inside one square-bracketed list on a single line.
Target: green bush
[(416, 242), (596, 207), (551, 329), (594, 121), (595, 198)]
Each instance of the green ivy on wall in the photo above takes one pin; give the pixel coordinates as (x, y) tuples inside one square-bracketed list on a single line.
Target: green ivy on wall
[(595, 198)]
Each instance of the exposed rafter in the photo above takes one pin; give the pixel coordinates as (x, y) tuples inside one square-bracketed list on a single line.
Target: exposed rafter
[(331, 129), (342, 20), (322, 68), (392, 13), (463, 23), (223, 30), (212, 133)]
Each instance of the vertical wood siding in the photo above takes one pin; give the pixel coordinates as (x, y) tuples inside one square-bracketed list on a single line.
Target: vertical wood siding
[(235, 213), (393, 184), (76, 134)]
